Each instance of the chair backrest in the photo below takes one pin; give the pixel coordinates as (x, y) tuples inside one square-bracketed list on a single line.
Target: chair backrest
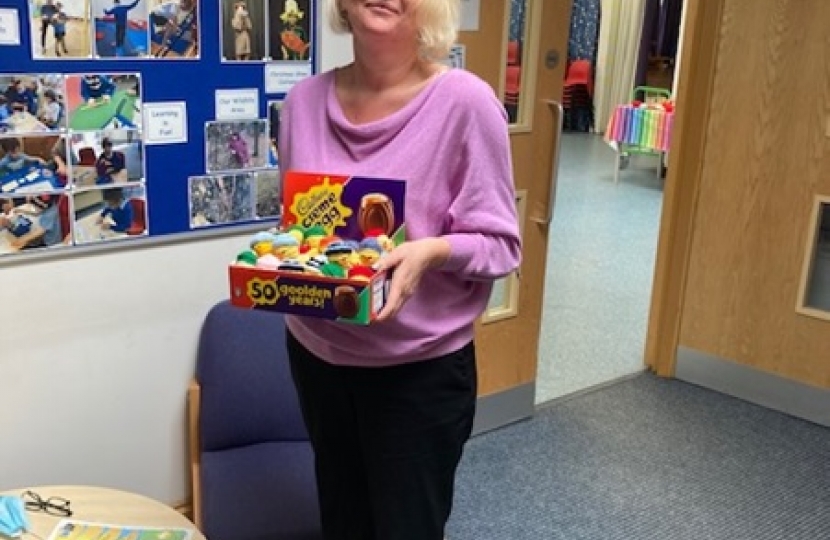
[(247, 394), (580, 72), (513, 79), (513, 58), (86, 156), (139, 223), (63, 215)]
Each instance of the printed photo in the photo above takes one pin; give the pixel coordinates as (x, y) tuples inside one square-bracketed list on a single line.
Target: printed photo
[(274, 108), (243, 30), (109, 213), (34, 221), (99, 158), (33, 164), (120, 28), (290, 30), (174, 28), (32, 103), (236, 145), (221, 199), (100, 101), (60, 29), (268, 194)]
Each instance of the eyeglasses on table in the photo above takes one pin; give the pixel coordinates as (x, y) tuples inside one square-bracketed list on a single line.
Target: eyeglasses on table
[(56, 506)]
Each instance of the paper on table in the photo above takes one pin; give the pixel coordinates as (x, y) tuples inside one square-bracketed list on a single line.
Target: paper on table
[(70, 529)]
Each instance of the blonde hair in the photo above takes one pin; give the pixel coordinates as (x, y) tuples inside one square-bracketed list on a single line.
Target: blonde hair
[(437, 22)]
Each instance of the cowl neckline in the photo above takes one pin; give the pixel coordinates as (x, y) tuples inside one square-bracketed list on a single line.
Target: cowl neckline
[(363, 140)]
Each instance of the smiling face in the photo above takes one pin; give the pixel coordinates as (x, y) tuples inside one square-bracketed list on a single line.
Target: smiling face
[(381, 18)]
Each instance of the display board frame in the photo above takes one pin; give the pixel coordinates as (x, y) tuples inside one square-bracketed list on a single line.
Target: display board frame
[(196, 134)]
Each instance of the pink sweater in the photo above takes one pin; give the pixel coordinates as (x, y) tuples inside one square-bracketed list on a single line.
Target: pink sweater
[(450, 144)]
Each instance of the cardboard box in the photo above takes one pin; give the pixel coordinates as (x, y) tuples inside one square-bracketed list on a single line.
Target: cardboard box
[(345, 206)]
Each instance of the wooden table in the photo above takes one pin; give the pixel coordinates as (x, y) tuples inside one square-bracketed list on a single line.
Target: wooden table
[(105, 505), (87, 230), (25, 122), (86, 175)]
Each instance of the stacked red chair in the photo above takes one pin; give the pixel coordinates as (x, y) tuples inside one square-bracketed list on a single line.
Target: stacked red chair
[(577, 96)]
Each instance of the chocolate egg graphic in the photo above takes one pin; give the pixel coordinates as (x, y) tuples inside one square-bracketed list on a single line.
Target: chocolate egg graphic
[(346, 303), (376, 212)]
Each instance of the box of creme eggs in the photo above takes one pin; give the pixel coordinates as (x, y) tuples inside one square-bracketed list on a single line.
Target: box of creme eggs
[(320, 261)]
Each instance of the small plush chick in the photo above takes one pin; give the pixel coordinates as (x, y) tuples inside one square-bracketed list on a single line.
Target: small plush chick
[(285, 246), (261, 243), (369, 251)]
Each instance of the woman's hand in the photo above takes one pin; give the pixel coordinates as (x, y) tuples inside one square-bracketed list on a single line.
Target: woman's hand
[(409, 260)]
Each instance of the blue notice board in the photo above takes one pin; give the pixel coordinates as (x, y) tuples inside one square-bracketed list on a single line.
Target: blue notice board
[(124, 122)]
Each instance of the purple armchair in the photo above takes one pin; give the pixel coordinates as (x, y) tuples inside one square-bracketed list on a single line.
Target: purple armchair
[(251, 462)]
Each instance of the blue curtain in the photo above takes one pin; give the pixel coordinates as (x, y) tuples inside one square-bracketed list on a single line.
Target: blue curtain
[(517, 18), (584, 30)]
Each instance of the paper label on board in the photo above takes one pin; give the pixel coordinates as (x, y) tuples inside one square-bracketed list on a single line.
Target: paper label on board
[(9, 27), (165, 123), (237, 104)]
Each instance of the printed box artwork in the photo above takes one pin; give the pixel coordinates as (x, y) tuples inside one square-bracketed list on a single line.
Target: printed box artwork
[(319, 262)]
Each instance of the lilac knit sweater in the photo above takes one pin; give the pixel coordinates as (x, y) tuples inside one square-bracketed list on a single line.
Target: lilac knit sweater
[(450, 144)]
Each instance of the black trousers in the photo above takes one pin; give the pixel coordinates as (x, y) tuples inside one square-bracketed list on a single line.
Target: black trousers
[(44, 27), (387, 441), (120, 34)]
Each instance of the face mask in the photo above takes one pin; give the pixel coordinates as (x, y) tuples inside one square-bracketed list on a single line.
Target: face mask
[(13, 518)]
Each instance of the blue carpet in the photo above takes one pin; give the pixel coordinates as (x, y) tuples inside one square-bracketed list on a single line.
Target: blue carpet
[(647, 459)]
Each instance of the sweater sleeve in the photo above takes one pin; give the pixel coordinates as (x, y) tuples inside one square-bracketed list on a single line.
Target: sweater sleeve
[(283, 143), (483, 230)]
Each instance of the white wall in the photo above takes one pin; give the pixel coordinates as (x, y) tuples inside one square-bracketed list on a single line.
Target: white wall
[(96, 353)]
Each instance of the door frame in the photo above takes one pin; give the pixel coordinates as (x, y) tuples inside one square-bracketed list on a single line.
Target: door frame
[(698, 66)]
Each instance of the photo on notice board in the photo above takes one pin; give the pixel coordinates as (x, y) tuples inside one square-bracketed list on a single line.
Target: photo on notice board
[(243, 30), (120, 28), (103, 101), (268, 194), (33, 222), (106, 157), (31, 164), (236, 145), (274, 108), (174, 28), (32, 103), (221, 199), (290, 30), (109, 213), (60, 29)]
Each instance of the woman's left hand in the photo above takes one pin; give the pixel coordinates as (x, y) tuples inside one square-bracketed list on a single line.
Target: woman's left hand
[(409, 260)]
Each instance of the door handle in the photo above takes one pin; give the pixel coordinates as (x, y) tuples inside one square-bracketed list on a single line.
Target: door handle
[(558, 117)]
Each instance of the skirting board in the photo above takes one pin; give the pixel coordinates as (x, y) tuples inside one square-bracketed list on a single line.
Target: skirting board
[(759, 387), (497, 410)]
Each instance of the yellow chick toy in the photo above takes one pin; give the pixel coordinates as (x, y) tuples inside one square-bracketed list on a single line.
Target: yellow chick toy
[(285, 246), (261, 243), (369, 251)]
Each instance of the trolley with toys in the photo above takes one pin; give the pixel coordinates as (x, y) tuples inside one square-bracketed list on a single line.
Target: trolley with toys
[(642, 126)]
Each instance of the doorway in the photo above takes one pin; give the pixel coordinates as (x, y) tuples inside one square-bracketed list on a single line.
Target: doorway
[(603, 239)]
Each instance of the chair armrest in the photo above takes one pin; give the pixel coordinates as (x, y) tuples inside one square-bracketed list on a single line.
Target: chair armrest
[(194, 398)]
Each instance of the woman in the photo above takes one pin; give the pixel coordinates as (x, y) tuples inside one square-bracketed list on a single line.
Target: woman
[(389, 406)]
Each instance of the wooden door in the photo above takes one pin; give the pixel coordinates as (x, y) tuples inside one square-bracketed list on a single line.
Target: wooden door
[(507, 337)]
